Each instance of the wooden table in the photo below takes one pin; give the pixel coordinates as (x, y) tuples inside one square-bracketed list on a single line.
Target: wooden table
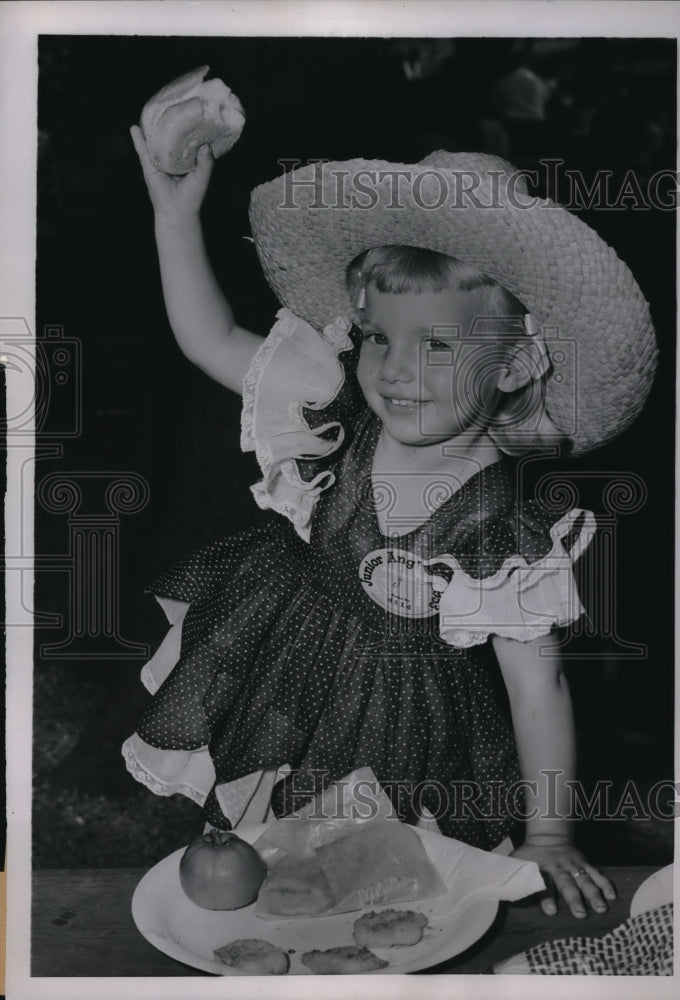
[(82, 926)]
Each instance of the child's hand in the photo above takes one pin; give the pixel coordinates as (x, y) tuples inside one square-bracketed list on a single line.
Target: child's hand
[(174, 197), (558, 864)]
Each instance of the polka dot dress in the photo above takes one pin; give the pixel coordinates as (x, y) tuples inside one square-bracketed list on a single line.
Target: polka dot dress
[(285, 657)]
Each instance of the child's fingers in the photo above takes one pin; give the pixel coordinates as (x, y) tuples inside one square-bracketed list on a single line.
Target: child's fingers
[(591, 893), (139, 142), (196, 182), (204, 163), (547, 898), (582, 882), (548, 905), (600, 880), (570, 893)]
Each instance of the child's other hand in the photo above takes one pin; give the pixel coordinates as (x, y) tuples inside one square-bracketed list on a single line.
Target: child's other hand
[(174, 197), (558, 864)]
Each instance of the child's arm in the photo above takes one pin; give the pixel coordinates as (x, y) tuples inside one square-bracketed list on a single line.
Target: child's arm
[(544, 731), (200, 316)]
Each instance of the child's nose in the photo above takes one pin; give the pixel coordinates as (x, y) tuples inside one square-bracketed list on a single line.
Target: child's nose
[(399, 365)]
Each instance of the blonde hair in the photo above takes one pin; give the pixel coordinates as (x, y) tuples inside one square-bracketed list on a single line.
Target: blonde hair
[(403, 269), (400, 269)]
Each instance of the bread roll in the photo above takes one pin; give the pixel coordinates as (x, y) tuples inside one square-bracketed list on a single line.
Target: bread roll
[(189, 113)]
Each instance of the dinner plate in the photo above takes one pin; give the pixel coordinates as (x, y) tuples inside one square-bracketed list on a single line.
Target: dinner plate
[(172, 923), (654, 891)]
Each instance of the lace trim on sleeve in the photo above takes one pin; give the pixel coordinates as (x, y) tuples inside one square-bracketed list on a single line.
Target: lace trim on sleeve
[(165, 772), (521, 601), (295, 368)]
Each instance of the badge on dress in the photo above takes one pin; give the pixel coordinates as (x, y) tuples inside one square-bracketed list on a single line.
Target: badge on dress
[(399, 582)]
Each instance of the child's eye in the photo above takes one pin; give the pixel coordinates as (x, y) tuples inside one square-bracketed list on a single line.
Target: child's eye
[(373, 337), (437, 345)]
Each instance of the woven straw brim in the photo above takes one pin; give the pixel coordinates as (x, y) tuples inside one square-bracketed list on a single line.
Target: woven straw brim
[(595, 321)]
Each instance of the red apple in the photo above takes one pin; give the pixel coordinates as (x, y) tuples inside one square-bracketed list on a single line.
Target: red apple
[(219, 871)]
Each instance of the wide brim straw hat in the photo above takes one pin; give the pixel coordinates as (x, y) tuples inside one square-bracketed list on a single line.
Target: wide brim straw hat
[(308, 224)]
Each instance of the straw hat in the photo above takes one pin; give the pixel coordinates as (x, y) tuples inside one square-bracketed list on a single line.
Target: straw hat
[(310, 223)]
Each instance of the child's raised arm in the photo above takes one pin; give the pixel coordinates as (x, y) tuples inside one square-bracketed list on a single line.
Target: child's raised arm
[(200, 316)]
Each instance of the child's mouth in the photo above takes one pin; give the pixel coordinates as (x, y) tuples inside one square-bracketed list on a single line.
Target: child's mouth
[(400, 405)]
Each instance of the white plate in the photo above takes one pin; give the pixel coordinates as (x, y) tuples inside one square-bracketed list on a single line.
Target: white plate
[(190, 934), (654, 891)]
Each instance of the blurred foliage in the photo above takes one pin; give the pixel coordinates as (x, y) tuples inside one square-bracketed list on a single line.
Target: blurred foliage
[(72, 829), (75, 828)]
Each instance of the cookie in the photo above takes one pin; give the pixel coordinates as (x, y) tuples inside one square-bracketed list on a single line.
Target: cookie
[(389, 928), (347, 961), (253, 957)]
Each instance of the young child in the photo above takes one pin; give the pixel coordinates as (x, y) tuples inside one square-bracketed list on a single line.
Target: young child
[(370, 625)]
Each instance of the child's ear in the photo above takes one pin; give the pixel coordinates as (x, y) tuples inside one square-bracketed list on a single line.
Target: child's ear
[(514, 375), (510, 380), (525, 362)]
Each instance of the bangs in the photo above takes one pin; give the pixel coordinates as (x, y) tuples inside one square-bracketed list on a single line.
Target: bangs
[(402, 269)]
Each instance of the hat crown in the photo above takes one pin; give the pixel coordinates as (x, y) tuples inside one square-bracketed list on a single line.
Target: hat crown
[(458, 180), (481, 174)]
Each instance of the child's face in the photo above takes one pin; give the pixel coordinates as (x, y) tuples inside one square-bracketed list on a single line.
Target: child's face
[(424, 368)]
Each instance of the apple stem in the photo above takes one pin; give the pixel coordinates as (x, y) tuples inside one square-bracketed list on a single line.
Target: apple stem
[(217, 838)]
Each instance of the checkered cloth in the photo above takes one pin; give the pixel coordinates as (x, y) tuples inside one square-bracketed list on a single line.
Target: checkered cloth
[(642, 946)]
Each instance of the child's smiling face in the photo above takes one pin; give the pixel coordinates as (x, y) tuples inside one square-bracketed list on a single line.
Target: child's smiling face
[(424, 369)]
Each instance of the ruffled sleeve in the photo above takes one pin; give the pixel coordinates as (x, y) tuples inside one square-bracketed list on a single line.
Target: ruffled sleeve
[(296, 373), (522, 600)]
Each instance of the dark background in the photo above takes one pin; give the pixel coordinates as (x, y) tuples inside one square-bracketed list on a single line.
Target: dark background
[(146, 410)]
